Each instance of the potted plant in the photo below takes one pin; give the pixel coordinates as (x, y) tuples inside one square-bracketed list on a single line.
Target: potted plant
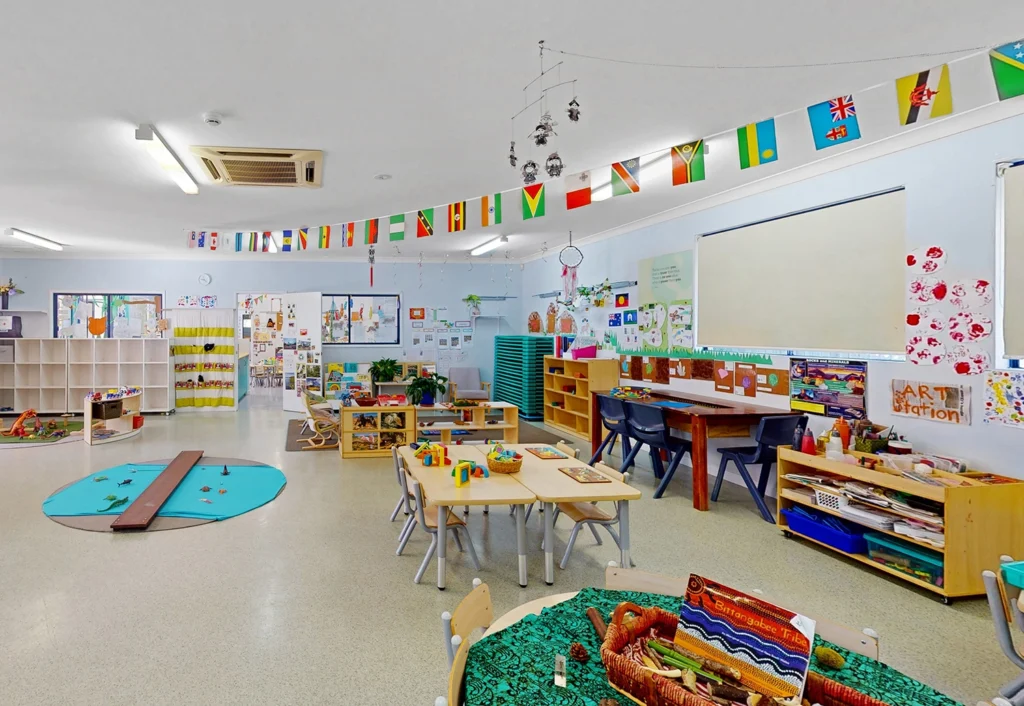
[(6, 290), (384, 370), (472, 303), (424, 389)]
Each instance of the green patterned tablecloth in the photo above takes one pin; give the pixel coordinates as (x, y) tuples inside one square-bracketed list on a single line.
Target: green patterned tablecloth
[(516, 665)]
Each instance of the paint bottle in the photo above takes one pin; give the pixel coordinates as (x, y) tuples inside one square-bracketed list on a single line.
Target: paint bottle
[(834, 448), (807, 444), (843, 427)]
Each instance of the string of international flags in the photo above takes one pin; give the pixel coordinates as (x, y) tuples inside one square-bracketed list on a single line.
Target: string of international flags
[(920, 97)]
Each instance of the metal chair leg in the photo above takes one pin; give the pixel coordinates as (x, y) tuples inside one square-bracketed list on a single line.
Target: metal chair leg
[(572, 542), (766, 514), (427, 558), (669, 473), (593, 531), (723, 464), (398, 508), (458, 542), (470, 548), (406, 535)]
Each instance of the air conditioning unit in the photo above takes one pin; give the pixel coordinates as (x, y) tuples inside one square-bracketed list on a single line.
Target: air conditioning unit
[(244, 166)]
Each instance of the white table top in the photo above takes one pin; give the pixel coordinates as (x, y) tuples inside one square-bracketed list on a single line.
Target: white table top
[(534, 607)]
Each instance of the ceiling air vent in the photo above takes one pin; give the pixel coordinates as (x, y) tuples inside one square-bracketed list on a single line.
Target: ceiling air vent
[(241, 166)]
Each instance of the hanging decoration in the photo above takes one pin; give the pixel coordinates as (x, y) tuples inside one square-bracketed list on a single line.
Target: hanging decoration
[(372, 257), (530, 170), (553, 166), (512, 159), (574, 107), (571, 257)]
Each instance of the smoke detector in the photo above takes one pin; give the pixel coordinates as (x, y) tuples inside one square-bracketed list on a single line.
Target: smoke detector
[(213, 119)]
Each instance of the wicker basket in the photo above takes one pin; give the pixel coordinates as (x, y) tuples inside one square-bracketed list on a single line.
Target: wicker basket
[(513, 466), (644, 687), (869, 446)]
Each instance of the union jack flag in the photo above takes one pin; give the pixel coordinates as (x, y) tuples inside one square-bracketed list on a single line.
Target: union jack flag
[(836, 133), (841, 108)]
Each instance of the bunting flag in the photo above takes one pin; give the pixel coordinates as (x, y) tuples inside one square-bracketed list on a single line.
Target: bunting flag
[(266, 241), (425, 223), (688, 163), (397, 230), (238, 242), (533, 201), (456, 216), (757, 144), (202, 239), (834, 122), (349, 232), (490, 210), (213, 240), (626, 177), (286, 241), (325, 238), (577, 190), (371, 231), (254, 242), (925, 95), (1008, 69), (193, 239), (303, 238)]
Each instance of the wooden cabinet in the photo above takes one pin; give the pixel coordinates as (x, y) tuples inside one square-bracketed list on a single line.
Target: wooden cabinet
[(372, 431), (567, 386)]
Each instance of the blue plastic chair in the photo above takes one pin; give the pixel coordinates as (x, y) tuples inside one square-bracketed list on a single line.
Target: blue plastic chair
[(613, 416), (647, 425), (772, 433)]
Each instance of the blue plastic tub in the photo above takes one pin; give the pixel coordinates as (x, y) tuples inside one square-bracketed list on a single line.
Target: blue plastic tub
[(851, 543), (1013, 573)]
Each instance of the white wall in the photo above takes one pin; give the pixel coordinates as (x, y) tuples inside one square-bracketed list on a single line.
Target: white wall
[(441, 286), (951, 202)]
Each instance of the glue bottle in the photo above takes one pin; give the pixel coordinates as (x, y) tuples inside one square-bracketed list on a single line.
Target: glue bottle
[(834, 448), (807, 444)]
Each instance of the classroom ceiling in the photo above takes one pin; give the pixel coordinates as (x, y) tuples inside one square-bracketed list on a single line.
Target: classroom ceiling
[(420, 91)]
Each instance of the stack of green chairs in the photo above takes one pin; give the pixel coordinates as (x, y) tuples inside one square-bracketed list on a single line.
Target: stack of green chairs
[(519, 372)]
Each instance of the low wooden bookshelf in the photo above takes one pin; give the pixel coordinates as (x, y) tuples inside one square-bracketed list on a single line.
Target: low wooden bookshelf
[(372, 431), (569, 409), (981, 521)]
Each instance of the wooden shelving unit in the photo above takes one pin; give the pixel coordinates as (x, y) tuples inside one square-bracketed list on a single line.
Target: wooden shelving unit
[(471, 419), (123, 427), (573, 412), (982, 522), (368, 432)]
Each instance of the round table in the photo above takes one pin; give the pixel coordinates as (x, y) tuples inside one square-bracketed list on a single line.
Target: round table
[(534, 607)]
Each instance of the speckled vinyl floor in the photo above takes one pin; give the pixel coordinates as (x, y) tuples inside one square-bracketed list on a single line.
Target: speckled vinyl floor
[(304, 601)]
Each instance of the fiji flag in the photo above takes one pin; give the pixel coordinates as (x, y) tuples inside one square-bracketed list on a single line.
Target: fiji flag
[(834, 122)]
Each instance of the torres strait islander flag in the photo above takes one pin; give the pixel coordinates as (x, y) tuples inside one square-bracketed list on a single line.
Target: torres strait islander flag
[(371, 231), (1008, 69), (456, 216), (490, 210), (626, 177), (425, 223), (533, 201), (924, 95), (757, 143), (688, 163), (577, 190), (834, 122), (397, 229)]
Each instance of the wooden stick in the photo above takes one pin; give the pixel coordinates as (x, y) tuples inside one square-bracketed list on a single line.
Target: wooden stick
[(595, 617)]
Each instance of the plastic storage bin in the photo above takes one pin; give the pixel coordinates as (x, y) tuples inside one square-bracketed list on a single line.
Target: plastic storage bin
[(849, 542), (1013, 573), (906, 558)]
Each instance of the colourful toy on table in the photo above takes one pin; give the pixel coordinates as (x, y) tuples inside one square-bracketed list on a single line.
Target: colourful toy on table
[(433, 454), (464, 470), (500, 453)]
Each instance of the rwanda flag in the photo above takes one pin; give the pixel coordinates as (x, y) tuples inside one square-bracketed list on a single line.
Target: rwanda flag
[(1008, 69), (757, 143), (834, 122)]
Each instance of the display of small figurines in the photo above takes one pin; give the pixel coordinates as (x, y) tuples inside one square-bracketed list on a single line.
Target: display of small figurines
[(553, 166), (545, 129), (97, 479), (530, 170), (512, 159), (205, 489), (126, 481), (573, 110)]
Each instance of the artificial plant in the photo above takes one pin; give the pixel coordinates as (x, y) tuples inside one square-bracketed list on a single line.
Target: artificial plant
[(384, 370), (424, 389)]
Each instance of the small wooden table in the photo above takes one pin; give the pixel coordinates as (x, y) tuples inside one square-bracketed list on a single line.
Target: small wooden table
[(533, 607), (706, 418), (552, 486), (509, 425), (499, 489)]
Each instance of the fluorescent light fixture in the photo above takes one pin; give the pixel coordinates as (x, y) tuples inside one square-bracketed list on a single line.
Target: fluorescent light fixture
[(33, 239), (489, 245), (168, 161)]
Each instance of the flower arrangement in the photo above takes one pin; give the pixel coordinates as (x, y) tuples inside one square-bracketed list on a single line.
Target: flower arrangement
[(6, 290)]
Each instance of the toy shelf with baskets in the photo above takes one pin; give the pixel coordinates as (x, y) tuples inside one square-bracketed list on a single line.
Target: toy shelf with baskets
[(372, 431), (500, 417), (107, 421), (981, 523), (567, 385)]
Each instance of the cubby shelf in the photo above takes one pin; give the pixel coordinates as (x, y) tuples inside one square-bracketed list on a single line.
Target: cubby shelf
[(573, 412)]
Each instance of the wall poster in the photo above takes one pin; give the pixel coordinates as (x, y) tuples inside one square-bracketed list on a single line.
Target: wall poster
[(1004, 398), (936, 402), (832, 388)]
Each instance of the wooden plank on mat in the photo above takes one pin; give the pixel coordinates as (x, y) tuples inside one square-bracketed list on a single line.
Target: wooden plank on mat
[(140, 513)]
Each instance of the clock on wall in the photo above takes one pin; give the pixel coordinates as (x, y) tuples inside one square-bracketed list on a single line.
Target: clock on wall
[(205, 279)]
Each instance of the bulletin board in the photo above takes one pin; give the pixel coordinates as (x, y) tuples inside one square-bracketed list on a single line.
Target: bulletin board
[(361, 319), (832, 388)]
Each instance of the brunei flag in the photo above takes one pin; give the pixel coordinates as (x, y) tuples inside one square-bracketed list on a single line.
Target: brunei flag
[(924, 95), (1008, 69), (533, 201), (303, 239), (757, 143), (325, 238), (397, 227), (626, 177), (425, 223), (456, 216), (688, 163), (371, 228)]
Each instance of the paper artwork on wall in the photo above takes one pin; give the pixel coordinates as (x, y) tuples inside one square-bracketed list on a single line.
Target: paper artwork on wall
[(1004, 398), (936, 402), (925, 350), (970, 293), (703, 370), (417, 313), (661, 370), (681, 369), (773, 381), (745, 375), (927, 289), (723, 376), (833, 388), (926, 260), (549, 318), (188, 301), (208, 301), (969, 326), (924, 319), (968, 359), (533, 322), (624, 367)]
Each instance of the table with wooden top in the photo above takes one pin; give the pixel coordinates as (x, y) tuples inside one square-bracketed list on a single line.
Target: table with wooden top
[(552, 486), (439, 489), (706, 418)]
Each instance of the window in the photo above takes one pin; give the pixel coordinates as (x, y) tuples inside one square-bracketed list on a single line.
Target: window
[(106, 315), (1009, 266), (361, 319)]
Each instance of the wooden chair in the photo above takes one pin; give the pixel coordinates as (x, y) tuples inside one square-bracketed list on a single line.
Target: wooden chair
[(569, 451), (475, 611), (589, 514), (457, 673), (427, 518), (616, 579), (1005, 607), (405, 481), (323, 424)]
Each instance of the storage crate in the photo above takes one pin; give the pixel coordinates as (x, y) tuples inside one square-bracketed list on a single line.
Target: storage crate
[(108, 409), (906, 558), (850, 542), (1013, 573)]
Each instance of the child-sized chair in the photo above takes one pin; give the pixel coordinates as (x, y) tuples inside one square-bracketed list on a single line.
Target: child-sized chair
[(429, 521), (772, 433), (474, 612), (591, 515), (613, 416), (647, 425)]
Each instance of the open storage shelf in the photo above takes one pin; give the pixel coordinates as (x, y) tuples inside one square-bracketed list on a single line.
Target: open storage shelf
[(567, 384)]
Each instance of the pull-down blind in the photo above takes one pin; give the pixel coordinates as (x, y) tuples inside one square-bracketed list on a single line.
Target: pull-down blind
[(831, 279), (1013, 262)]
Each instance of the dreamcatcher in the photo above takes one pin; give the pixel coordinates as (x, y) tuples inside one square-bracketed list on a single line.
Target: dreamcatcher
[(571, 257)]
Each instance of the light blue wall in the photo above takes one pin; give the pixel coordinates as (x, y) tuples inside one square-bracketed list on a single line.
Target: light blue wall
[(951, 202), (441, 286)]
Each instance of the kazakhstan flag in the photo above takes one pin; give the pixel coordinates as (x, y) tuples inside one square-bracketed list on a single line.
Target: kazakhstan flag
[(757, 143)]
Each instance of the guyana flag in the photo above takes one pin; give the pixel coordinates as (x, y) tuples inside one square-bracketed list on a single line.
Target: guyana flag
[(372, 226), (425, 223), (456, 216), (688, 163), (533, 201), (1008, 69)]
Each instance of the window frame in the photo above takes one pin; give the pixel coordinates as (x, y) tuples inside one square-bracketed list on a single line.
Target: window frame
[(352, 295), (55, 306)]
